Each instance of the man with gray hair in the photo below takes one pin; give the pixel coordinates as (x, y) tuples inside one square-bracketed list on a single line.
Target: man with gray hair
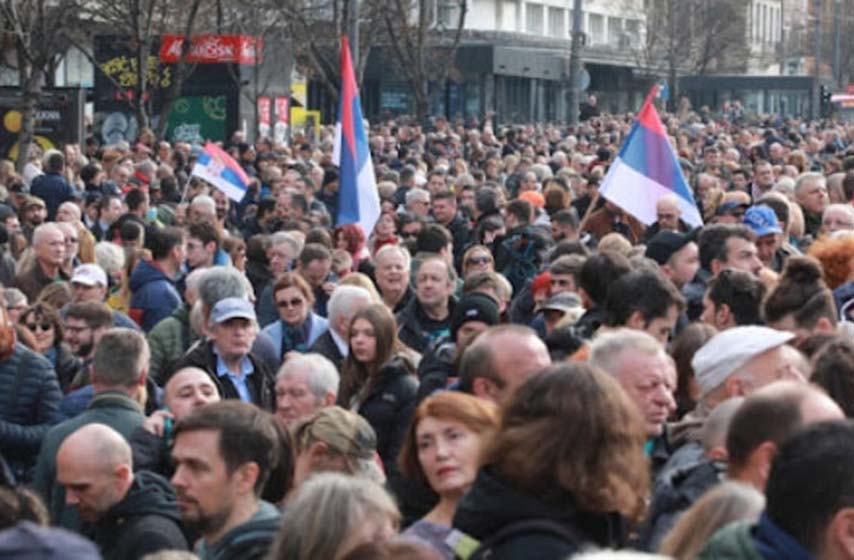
[(46, 268), (418, 202), (643, 369), (119, 373), (202, 209), (343, 304), (305, 384), (811, 196)]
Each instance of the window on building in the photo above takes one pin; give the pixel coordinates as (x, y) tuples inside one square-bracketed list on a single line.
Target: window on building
[(557, 22), (615, 30), (632, 31), (534, 19), (596, 23)]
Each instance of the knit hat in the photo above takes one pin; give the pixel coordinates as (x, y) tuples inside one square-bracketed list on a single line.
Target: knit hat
[(730, 350), (474, 307), (664, 243)]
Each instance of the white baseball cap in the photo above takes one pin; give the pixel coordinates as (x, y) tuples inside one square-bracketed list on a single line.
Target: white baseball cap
[(89, 275)]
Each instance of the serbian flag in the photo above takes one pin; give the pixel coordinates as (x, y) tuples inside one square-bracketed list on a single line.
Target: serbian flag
[(220, 170), (358, 199), (647, 169)]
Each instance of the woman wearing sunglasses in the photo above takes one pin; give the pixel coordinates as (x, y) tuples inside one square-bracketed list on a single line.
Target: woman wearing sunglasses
[(43, 322), (298, 326), (477, 258)]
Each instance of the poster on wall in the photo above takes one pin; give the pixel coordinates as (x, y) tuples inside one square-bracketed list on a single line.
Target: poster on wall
[(280, 130), (264, 120)]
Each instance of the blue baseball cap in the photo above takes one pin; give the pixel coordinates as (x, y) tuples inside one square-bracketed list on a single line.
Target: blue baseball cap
[(762, 220), (232, 308)]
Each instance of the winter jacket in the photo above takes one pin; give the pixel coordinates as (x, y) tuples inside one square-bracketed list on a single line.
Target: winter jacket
[(113, 408), (417, 330), (493, 504), (66, 365), (436, 368), (318, 325), (265, 307), (520, 254), (168, 341), (29, 406), (154, 296), (261, 382), (33, 280), (326, 347), (151, 453), (147, 520), (388, 407), (762, 540), (53, 189), (249, 541)]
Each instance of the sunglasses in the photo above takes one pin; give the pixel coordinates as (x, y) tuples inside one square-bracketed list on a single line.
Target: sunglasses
[(41, 326), (284, 304), (479, 260)]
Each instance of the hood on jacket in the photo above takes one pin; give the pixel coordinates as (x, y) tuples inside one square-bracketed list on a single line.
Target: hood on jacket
[(492, 504), (150, 494), (249, 540), (146, 272)]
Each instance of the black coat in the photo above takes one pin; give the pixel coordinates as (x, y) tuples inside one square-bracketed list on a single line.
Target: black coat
[(147, 520), (29, 406), (417, 330), (326, 347), (261, 383), (493, 504)]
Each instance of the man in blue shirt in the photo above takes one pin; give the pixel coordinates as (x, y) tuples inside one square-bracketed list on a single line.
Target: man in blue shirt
[(227, 355)]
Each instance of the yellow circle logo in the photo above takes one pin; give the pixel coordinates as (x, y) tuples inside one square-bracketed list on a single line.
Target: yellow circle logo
[(12, 121)]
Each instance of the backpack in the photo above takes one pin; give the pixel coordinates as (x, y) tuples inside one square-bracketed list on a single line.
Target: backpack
[(486, 549), (522, 262)]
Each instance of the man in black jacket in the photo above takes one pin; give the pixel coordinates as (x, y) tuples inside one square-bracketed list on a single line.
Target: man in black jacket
[(227, 356), (427, 318), (126, 515), (343, 304)]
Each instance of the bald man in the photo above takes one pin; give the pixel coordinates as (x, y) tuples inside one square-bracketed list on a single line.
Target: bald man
[(668, 217), (126, 515), (187, 389)]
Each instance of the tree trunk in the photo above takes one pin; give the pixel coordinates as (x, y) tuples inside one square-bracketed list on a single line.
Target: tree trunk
[(32, 92)]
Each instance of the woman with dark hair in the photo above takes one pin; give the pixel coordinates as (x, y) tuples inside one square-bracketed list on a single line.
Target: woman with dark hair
[(298, 326), (684, 347), (378, 381), (565, 470), (43, 322), (441, 450)]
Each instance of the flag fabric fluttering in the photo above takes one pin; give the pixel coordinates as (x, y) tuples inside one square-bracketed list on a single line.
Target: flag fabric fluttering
[(358, 199), (218, 168), (647, 169)]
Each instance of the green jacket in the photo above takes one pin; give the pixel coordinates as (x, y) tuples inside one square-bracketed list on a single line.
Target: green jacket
[(168, 341), (113, 408), (733, 542)]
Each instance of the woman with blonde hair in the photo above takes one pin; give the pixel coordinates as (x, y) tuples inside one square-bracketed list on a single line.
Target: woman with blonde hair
[(441, 450), (332, 515), (726, 503), (568, 454)]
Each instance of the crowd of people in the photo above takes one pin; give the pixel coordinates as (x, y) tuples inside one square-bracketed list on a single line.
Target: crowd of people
[(507, 366)]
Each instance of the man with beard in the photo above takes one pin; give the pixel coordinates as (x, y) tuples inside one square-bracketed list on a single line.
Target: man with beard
[(128, 515), (85, 323), (223, 455)]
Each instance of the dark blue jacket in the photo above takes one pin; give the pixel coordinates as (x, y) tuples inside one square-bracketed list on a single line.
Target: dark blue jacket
[(154, 295), (53, 189), (29, 406)]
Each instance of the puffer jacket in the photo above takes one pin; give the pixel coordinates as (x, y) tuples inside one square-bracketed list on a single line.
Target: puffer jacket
[(29, 406), (154, 296), (147, 520)]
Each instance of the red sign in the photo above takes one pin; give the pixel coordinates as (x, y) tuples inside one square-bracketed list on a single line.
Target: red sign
[(850, 88), (213, 49), (264, 107), (282, 115)]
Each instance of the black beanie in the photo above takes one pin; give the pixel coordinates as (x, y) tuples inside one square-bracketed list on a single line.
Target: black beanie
[(474, 306)]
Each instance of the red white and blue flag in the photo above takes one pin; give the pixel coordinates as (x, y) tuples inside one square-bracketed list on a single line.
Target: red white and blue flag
[(220, 170), (647, 169), (358, 199)]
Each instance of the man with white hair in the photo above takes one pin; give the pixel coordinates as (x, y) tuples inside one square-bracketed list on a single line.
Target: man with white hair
[(202, 209), (643, 369), (345, 302), (837, 217), (668, 217), (305, 384), (49, 251), (418, 202)]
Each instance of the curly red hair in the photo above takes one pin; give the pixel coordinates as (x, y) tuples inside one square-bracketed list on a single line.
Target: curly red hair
[(835, 256), (354, 236)]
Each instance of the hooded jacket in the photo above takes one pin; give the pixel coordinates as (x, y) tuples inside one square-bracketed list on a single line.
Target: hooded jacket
[(154, 296), (493, 504), (762, 540), (147, 520), (417, 330), (249, 541)]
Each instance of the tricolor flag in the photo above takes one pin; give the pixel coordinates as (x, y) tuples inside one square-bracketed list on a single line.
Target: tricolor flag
[(647, 169), (358, 199), (220, 170)]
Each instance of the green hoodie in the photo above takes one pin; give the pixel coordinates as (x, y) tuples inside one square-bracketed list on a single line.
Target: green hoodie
[(733, 542)]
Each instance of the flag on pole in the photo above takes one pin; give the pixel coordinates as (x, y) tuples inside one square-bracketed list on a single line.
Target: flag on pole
[(358, 199), (220, 170), (647, 169)]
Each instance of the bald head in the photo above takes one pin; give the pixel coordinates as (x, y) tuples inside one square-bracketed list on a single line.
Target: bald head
[(94, 465)]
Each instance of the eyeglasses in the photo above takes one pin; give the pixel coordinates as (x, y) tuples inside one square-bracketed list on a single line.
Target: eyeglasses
[(44, 326), (284, 304), (479, 260)]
